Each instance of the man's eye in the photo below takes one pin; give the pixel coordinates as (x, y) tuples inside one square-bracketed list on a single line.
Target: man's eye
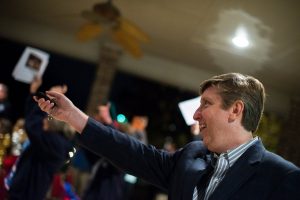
[(206, 103)]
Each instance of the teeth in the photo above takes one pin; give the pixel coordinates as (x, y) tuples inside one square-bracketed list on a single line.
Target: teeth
[(201, 126)]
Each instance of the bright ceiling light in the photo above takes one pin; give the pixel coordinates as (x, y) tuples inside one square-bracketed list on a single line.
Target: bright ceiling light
[(240, 39)]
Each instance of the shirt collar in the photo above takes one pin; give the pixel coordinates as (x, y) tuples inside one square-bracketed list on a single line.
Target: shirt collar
[(232, 155)]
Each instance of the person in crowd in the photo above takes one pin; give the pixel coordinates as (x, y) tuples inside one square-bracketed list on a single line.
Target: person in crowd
[(137, 129), (139, 124), (5, 105), (19, 137), (106, 181), (62, 186), (6, 159), (230, 162), (169, 144), (195, 132), (10, 148), (45, 153)]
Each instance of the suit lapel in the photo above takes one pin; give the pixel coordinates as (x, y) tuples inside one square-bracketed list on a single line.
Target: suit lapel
[(240, 172), (194, 173)]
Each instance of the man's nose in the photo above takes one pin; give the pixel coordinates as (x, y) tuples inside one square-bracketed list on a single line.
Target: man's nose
[(197, 114)]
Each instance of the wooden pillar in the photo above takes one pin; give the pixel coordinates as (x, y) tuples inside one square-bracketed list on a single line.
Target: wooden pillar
[(109, 57)]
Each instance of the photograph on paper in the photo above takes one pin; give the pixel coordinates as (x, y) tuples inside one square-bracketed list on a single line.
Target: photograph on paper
[(33, 62)]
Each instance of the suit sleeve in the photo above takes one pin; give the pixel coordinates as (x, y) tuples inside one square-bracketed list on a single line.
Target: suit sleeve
[(126, 152), (289, 187)]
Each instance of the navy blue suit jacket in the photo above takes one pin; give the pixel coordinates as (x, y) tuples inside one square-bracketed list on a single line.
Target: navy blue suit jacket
[(257, 174)]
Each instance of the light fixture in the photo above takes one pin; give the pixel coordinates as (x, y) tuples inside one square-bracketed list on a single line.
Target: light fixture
[(240, 39)]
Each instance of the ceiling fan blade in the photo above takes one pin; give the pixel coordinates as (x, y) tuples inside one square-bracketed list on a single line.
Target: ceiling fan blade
[(133, 30), (124, 32), (89, 31), (128, 42)]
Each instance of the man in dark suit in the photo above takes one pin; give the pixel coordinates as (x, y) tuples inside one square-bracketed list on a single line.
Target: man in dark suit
[(230, 163)]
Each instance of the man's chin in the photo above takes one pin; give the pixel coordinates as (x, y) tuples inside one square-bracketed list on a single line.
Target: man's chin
[(205, 143)]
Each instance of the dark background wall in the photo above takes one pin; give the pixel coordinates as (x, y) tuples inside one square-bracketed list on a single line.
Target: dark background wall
[(77, 74), (138, 96)]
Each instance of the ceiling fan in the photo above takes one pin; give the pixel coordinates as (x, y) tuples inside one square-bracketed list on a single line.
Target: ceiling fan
[(106, 17)]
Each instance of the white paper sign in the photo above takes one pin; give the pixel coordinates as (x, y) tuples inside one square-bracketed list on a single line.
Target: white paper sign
[(188, 109), (33, 62)]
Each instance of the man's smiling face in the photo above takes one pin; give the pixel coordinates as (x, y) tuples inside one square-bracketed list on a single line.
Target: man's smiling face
[(213, 120)]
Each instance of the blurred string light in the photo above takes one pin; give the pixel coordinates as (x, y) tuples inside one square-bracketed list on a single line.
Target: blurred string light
[(121, 118), (71, 155), (130, 179)]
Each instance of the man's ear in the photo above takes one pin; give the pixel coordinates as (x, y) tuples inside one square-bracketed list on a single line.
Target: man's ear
[(236, 111)]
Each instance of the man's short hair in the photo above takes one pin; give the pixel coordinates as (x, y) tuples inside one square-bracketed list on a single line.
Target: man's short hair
[(236, 86)]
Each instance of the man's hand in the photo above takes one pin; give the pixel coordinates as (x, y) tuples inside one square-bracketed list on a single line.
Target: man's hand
[(64, 110), (63, 105)]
